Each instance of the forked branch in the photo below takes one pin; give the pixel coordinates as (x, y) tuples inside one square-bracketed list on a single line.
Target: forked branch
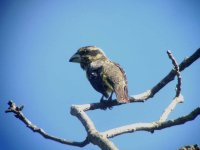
[(178, 97)]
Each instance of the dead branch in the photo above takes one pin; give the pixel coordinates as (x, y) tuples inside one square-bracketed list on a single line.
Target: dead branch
[(94, 136), (177, 70), (13, 108), (151, 127), (178, 97), (171, 107)]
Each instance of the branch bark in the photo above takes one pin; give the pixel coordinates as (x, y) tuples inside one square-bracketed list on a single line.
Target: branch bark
[(178, 97), (94, 136), (151, 127), (13, 108)]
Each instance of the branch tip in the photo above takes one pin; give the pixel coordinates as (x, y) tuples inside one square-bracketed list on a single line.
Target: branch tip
[(169, 52), (177, 71)]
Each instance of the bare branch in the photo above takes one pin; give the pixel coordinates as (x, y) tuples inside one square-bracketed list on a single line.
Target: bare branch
[(93, 135), (83, 117), (184, 64), (178, 98), (13, 108), (171, 107), (150, 127), (176, 67)]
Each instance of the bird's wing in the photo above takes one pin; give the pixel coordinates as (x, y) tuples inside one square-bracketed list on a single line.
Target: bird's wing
[(117, 78)]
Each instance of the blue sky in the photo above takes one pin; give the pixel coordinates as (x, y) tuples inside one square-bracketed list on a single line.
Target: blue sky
[(37, 38)]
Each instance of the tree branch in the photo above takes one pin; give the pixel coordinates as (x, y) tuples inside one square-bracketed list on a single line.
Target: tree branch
[(178, 97), (94, 136), (184, 64), (177, 71), (13, 108), (171, 107), (150, 127)]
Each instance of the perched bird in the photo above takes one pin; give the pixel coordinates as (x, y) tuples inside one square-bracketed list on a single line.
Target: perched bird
[(104, 75)]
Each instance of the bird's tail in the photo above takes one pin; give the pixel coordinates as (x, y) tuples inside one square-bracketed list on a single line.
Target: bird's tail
[(122, 94)]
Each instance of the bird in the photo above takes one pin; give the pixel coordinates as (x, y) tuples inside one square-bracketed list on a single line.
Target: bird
[(105, 76)]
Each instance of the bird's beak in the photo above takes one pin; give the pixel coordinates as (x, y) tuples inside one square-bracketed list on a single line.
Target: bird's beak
[(75, 58)]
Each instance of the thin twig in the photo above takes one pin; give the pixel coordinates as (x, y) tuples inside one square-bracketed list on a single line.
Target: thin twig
[(177, 70), (178, 97), (150, 127), (184, 64), (13, 108)]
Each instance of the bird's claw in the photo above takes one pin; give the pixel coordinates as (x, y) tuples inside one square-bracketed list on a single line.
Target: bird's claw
[(106, 104)]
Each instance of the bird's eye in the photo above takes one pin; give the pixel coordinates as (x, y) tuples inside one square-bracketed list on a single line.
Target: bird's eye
[(84, 52)]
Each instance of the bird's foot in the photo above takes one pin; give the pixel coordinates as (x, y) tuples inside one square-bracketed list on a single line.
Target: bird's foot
[(109, 104), (106, 104)]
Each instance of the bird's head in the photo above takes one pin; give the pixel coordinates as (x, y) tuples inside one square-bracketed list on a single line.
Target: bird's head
[(86, 55)]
